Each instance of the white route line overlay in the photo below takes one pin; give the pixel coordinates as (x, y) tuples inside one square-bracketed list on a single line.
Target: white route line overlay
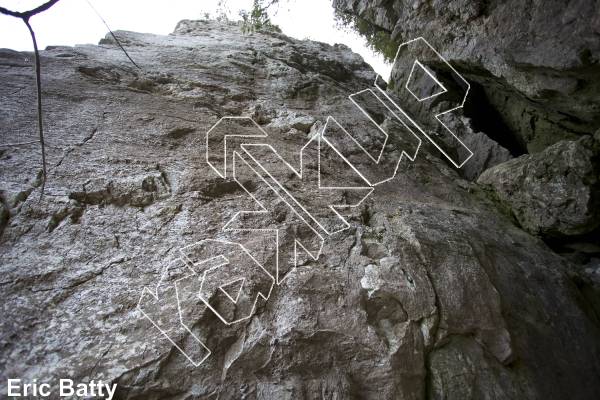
[(299, 173), (426, 70), (263, 210), (382, 91), (223, 263), (155, 294)]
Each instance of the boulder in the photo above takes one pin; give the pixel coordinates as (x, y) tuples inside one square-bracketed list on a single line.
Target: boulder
[(555, 193)]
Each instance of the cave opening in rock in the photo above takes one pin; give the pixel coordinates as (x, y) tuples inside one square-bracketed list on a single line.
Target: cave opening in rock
[(485, 118)]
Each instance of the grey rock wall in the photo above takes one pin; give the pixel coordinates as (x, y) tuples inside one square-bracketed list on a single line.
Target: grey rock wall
[(555, 192), (533, 67), (537, 61), (433, 292)]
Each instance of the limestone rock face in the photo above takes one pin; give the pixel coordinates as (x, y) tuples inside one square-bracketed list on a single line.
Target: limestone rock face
[(432, 291), (486, 154), (537, 61), (555, 192)]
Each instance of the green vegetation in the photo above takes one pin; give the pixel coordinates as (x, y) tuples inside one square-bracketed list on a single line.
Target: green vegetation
[(379, 40), (257, 19)]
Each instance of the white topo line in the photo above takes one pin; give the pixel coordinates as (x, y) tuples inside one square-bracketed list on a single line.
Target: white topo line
[(219, 161)]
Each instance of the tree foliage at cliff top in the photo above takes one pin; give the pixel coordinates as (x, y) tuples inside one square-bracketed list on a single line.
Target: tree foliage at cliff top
[(257, 18), (378, 40)]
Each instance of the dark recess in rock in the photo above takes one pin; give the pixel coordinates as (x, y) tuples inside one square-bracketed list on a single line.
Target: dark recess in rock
[(538, 62), (485, 118), (223, 188)]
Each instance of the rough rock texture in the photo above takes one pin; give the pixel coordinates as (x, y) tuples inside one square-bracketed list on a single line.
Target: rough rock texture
[(536, 63), (486, 153), (432, 292), (555, 192)]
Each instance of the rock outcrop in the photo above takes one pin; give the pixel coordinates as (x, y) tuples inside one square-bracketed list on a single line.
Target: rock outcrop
[(533, 69), (432, 292), (555, 193), (536, 63)]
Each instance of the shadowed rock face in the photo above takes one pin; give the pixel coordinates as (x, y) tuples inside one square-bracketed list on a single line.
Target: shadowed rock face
[(553, 193), (431, 293), (537, 61)]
